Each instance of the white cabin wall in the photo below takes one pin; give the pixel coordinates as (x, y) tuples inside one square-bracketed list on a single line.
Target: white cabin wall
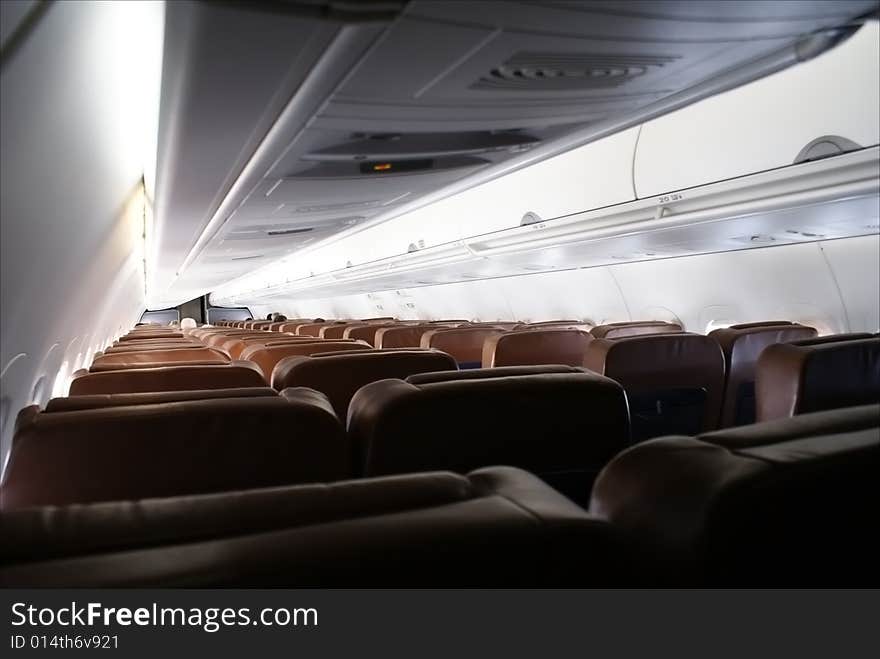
[(79, 100), (855, 264), (832, 285)]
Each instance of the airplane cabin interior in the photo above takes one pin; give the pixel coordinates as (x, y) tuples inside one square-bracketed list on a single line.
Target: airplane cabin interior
[(322, 293)]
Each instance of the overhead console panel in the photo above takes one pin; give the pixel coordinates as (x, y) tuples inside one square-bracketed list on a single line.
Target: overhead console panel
[(384, 113)]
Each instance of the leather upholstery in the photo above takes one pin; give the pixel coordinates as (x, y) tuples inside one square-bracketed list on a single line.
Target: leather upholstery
[(465, 344), (138, 346), (674, 381), (216, 340), (365, 332), (168, 378), (799, 511), (311, 329), (485, 373), (169, 449), (340, 375), (402, 336), (633, 328), (497, 526), (145, 358), (334, 330), (235, 345), (135, 336), (91, 401), (741, 345), (563, 426), (828, 422), (540, 346), (266, 357), (817, 374)]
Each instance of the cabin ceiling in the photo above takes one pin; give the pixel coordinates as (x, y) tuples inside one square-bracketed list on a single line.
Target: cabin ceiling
[(282, 128)]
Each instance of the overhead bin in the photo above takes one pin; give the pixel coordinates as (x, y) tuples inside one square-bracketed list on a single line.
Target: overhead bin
[(594, 176), (825, 106)]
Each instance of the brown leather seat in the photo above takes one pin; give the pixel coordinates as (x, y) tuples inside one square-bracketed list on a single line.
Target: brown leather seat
[(146, 358), (817, 374), (135, 336), (674, 382), (168, 378), (169, 449), (266, 357), (235, 345), (218, 339), (137, 343), (547, 322), (562, 426), (741, 345), (791, 512), (540, 346), (137, 346), (340, 375), (493, 527), (633, 328), (829, 422), (578, 325), (465, 344), (488, 373), (312, 329), (336, 331), (92, 401), (402, 336), (366, 331)]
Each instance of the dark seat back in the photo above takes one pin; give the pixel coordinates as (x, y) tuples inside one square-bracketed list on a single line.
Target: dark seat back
[(493, 527), (168, 378), (535, 347), (340, 375), (562, 426), (817, 374), (742, 345), (169, 449), (785, 511), (673, 382)]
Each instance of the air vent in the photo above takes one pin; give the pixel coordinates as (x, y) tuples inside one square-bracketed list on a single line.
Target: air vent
[(527, 71), (247, 258)]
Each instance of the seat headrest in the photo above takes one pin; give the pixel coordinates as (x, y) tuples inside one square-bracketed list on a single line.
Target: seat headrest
[(465, 344), (235, 345), (633, 328), (788, 512), (266, 357), (487, 373), (416, 530), (169, 449), (168, 378), (817, 374), (828, 422), (135, 336), (366, 331), (91, 401), (340, 375), (141, 359), (539, 346), (402, 336), (547, 423), (741, 345)]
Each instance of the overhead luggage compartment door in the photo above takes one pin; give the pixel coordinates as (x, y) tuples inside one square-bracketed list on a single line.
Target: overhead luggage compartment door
[(817, 109)]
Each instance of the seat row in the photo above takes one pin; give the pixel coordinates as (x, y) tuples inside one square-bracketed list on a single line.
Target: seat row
[(399, 411), (676, 381), (790, 501)]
